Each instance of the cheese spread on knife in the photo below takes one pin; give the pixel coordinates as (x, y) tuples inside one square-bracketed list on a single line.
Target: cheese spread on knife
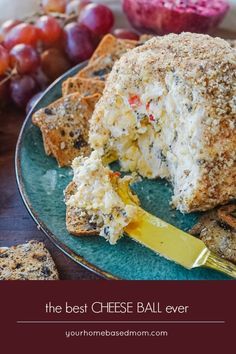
[(169, 111)]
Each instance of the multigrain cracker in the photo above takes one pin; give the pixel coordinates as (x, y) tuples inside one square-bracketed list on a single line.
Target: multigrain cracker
[(86, 87), (109, 50), (218, 235), (46, 144), (30, 261), (98, 69), (112, 47), (65, 126)]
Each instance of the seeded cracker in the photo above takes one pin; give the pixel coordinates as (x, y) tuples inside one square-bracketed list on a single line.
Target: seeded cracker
[(30, 261), (109, 50), (65, 125), (112, 47), (218, 235), (86, 87), (99, 69)]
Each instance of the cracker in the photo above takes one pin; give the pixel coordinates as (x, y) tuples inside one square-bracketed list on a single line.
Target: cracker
[(98, 69), (30, 261), (46, 144), (65, 126), (86, 87), (113, 47), (219, 236), (77, 220), (108, 51)]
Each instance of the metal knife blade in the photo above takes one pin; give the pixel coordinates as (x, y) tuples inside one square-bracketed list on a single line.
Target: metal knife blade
[(168, 241)]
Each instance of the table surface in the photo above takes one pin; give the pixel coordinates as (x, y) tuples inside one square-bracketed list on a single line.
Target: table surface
[(16, 225)]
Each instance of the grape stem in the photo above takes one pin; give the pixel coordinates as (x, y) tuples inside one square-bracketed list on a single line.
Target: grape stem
[(9, 76)]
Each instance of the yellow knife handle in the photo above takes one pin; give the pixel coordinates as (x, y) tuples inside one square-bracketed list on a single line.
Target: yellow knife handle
[(215, 262)]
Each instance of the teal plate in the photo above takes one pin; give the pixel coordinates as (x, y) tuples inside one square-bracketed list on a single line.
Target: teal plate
[(41, 184)]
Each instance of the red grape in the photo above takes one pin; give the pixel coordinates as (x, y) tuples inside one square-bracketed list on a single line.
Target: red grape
[(54, 63), (54, 5), (41, 79), (124, 33), (8, 25), (79, 42), (98, 18), (32, 102), (22, 33), (23, 88), (25, 58), (4, 60), (51, 31)]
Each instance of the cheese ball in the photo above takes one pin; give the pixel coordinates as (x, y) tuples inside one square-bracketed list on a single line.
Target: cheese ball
[(169, 111)]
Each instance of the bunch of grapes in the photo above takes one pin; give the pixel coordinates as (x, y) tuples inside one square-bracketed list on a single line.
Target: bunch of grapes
[(33, 53)]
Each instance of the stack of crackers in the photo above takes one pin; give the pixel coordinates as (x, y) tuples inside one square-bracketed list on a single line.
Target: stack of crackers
[(65, 123)]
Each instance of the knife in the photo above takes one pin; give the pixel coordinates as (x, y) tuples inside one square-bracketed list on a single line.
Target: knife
[(169, 241)]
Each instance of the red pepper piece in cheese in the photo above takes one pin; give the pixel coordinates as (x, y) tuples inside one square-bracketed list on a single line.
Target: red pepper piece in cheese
[(134, 101), (148, 105), (151, 118)]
